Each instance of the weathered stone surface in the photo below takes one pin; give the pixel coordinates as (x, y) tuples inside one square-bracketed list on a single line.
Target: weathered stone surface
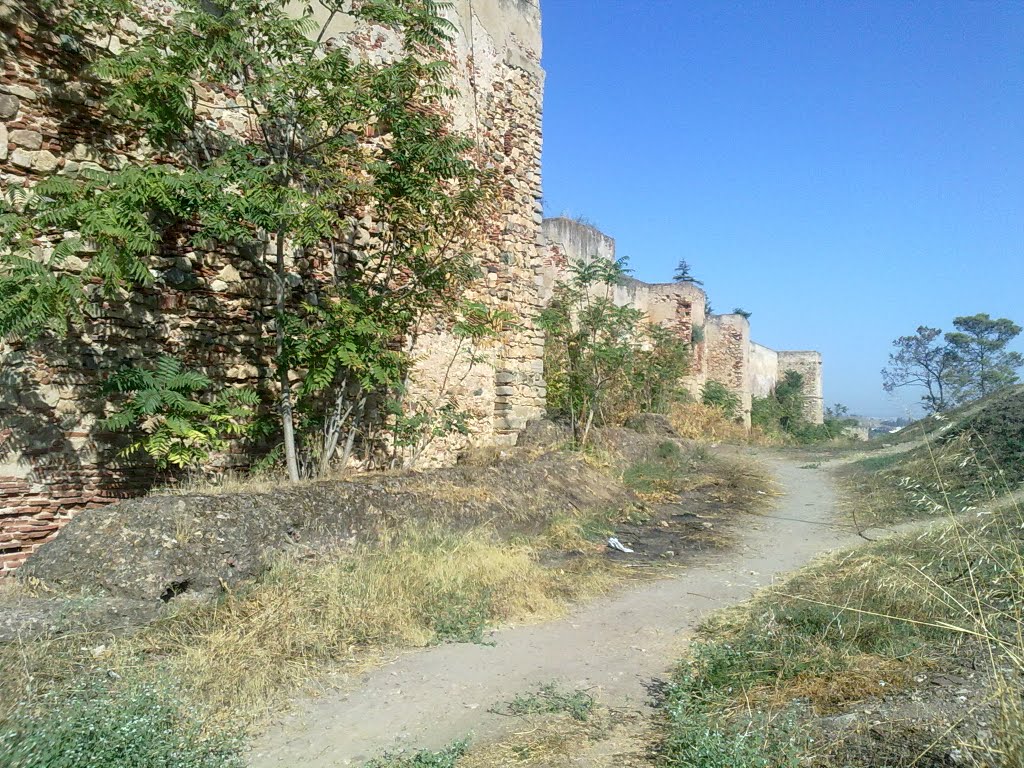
[(44, 162), (27, 139), (9, 106), (22, 158), (21, 91), (30, 618), (3, 142)]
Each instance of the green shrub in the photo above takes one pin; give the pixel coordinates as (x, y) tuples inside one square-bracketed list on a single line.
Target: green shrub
[(603, 362), (695, 736), (766, 413), (178, 416), (142, 726), (719, 396)]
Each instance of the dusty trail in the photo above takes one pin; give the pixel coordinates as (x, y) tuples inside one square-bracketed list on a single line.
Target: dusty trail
[(614, 646)]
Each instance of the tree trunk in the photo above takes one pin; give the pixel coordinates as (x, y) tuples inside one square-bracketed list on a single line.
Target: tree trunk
[(287, 416)]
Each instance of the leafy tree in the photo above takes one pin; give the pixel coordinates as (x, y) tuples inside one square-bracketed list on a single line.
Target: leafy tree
[(683, 275), (322, 138), (742, 313), (922, 360), (958, 366), (602, 361), (982, 362), (180, 418), (783, 411)]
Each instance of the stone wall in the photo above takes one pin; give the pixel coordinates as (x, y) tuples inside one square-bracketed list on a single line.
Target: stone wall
[(679, 306), (809, 365), (764, 370), (728, 352), (208, 310), (722, 350)]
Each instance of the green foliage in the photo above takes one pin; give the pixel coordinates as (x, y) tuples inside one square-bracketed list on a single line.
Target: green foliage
[(719, 396), (923, 361), (782, 413), (964, 365), (766, 414), (139, 726), (329, 137), (982, 363), (697, 335), (460, 617), (604, 362), (549, 700), (445, 758), (181, 422), (742, 313), (683, 275), (696, 734)]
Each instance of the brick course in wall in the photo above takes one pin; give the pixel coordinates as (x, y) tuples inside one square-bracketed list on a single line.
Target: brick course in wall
[(210, 310)]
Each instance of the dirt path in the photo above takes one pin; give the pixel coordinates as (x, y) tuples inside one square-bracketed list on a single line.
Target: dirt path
[(613, 647)]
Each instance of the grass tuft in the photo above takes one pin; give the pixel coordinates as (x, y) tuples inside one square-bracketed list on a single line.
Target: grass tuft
[(549, 700), (444, 758)]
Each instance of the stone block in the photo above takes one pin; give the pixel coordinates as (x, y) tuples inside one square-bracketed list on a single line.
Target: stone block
[(3, 141), (20, 91), (45, 161), (27, 139), (22, 158), (9, 106)]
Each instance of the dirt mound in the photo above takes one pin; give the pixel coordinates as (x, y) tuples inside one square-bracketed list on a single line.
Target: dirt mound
[(160, 547)]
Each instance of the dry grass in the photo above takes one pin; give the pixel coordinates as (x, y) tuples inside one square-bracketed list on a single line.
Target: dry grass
[(241, 658), (606, 739), (837, 630), (706, 423)]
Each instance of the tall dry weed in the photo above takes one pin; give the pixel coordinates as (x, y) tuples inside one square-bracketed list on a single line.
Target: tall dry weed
[(707, 423)]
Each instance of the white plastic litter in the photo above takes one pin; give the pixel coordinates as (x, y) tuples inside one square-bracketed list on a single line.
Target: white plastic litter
[(614, 543)]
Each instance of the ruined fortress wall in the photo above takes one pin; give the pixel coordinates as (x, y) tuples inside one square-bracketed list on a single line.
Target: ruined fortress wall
[(210, 311), (721, 349), (809, 365), (764, 370), (728, 351), (679, 306)]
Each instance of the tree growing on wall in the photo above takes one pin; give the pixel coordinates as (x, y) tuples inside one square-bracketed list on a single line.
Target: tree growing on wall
[(321, 136), (684, 275)]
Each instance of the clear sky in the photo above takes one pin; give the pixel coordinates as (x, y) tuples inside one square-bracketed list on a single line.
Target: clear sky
[(846, 171)]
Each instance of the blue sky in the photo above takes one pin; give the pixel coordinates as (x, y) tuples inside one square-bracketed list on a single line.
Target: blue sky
[(846, 171)]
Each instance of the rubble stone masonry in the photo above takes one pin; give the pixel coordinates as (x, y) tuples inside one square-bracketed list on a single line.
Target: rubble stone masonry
[(55, 462), (211, 310)]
